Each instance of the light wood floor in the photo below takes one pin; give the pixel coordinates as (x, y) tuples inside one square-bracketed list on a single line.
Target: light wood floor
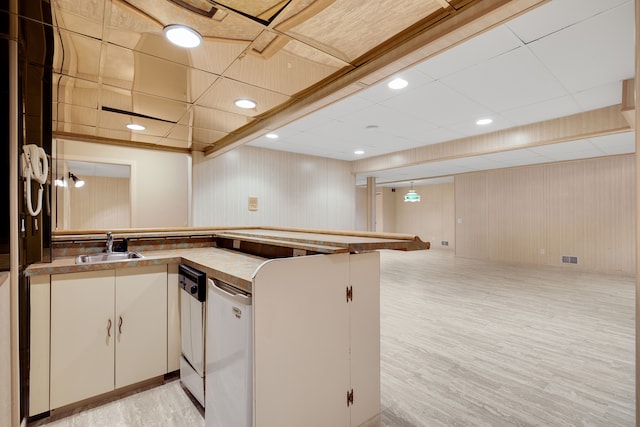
[(473, 343)]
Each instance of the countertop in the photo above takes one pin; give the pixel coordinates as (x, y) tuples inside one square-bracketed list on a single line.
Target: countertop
[(232, 267)]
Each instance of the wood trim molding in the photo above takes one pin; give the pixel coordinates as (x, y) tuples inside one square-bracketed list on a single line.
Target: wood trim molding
[(118, 142), (593, 123), (629, 102)]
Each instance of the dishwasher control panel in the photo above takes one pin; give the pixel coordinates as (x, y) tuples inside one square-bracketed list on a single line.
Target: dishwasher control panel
[(193, 281)]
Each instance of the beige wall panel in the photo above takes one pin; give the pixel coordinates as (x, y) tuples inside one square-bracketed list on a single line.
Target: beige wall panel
[(432, 219), (293, 190), (537, 214), (361, 209), (5, 350), (388, 210), (515, 214), (161, 189), (103, 202), (471, 215)]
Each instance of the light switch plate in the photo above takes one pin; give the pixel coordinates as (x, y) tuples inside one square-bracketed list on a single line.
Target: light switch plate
[(253, 203)]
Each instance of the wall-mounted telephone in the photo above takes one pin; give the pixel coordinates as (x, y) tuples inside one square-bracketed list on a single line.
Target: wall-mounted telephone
[(34, 166)]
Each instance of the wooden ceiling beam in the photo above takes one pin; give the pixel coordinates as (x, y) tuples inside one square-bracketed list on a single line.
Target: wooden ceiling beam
[(603, 121)]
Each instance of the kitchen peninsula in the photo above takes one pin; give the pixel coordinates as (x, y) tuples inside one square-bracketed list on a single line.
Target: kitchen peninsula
[(316, 313)]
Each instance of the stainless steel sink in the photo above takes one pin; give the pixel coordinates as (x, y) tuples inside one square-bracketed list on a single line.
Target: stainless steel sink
[(104, 257)]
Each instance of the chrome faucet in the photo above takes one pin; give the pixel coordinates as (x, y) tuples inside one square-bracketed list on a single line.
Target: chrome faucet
[(109, 242)]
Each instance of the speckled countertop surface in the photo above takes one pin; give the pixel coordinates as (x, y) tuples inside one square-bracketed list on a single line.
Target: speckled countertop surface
[(232, 267)]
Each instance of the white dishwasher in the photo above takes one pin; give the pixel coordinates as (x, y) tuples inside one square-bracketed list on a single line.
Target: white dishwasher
[(229, 350), (192, 325)]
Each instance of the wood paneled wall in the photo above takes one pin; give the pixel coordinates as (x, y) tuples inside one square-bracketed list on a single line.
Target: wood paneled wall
[(102, 203), (432, 219), (293, 190), (537, 214)]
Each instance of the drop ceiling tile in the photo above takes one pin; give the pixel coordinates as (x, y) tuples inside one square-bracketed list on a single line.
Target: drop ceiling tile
[(159, 108), (541, 111), (117, 123), (579, 149), (474, 51), (380, 91), (337, 110), (291, 69), (387, 121), (600, 96), (224, 92), (436, 103), (511, 80), (217, 120), (216, 55), (516, 157), (619, 143), (556, 15), (592, 53), (470, 128), (69, 90), (206, 136), (86, 54), (66, 113)]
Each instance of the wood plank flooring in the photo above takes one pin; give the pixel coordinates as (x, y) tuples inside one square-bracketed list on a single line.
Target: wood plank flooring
[(473, 343)]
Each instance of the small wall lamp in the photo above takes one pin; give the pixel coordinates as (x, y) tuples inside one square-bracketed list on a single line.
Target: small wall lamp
[(76, 181)]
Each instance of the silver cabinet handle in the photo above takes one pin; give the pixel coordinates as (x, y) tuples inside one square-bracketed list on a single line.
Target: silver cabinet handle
[(120, 325), (109, 328)]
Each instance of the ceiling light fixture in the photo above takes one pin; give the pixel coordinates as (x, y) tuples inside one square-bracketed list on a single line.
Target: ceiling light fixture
[(411, 195), (135, 126), (76, 181), (483, 122), (245, 103), (397, 83), (271, 136), (358, 152), (182, 36), (60, 182)]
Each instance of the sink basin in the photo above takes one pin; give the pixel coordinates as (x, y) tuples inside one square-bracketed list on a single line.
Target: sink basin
[(104, 257)]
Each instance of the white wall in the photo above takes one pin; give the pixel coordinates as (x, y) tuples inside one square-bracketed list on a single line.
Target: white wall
[(5, 350), (161, 180), (293, 190)]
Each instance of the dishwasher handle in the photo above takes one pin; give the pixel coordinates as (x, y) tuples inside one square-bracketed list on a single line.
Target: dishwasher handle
[(230, 291)]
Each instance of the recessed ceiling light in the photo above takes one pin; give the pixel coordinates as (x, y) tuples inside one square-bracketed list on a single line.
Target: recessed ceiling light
[(482, 122), (245, 103), (271, 136), (358, 152), (135, 126), (182, 36), (398, 83)]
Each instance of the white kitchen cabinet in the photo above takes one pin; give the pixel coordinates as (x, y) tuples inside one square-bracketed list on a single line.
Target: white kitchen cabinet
[(141, 324), (82, 335), (317, 341), (174, 348), (40, 296), (108, 330)]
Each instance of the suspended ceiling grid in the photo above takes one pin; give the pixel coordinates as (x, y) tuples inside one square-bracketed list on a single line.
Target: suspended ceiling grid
[(112, 65)]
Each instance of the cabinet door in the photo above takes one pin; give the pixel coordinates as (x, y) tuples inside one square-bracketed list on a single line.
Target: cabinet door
[(141, 323), (40, 297), (82, 336), (174, 348), (365, 336), (301, 342)]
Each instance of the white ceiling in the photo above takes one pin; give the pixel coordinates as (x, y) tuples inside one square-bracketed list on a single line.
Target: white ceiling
[(563, 58)]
